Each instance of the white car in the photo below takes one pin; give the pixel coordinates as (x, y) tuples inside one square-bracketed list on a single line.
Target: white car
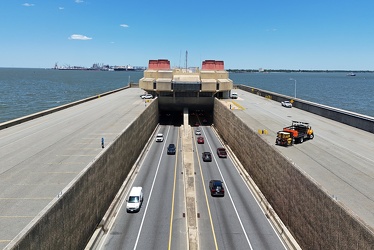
[(197, 132), (159, 137), (286, 104), (147, 96), (234, 95)]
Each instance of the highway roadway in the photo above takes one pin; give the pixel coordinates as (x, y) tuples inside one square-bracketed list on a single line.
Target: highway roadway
[(340, 158), (234, 221), (39, 158)]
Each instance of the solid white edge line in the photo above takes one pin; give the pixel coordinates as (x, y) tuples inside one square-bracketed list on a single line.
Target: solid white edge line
[(228, 191), (253, 194), (151, 191)]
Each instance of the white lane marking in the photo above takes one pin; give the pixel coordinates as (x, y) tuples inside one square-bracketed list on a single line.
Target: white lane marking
[(254, 196), (145, 211), (259, 205), (113, 220), (228, 192), (150, 193), (206, 197)]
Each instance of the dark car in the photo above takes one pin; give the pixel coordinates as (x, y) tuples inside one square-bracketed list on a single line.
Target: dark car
[(216, 188), (221, 152), (207, 156), (200, 140), (171, 149)]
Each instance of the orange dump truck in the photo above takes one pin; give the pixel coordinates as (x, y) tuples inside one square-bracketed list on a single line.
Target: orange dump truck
[(296, 133)]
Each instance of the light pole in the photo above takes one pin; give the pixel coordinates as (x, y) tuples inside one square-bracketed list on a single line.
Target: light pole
[(291, 79)]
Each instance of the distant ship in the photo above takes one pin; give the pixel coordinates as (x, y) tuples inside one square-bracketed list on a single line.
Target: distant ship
[(351, 74), (123, 68)]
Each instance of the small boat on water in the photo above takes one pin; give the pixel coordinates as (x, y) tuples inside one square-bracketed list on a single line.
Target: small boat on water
[(351, 74)]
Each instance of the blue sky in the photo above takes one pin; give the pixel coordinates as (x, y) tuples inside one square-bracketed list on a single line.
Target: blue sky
[(244, 34)]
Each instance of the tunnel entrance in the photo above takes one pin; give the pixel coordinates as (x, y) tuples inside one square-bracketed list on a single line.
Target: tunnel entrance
[(200, 111), (196, 117)]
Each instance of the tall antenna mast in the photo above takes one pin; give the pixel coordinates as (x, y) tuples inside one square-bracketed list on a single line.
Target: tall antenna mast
[(180, 55), (186, 58)]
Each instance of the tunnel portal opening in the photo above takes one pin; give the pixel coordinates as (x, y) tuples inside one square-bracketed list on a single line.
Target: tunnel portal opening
[(202, 116)]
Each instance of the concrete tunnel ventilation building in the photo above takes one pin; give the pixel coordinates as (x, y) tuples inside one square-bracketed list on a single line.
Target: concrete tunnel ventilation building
[(190, 88)]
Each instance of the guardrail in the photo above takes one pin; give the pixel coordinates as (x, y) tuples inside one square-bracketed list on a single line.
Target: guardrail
[(340, 115), (53, 110)]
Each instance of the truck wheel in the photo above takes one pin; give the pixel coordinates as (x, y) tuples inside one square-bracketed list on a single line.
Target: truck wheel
[(311, 136), (301, 139)]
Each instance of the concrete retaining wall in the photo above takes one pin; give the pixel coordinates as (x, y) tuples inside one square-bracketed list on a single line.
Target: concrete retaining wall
[(350, 118), (69, 221), (315, 219)]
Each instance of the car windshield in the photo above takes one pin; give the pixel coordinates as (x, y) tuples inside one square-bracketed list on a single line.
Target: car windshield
[(133, 199)]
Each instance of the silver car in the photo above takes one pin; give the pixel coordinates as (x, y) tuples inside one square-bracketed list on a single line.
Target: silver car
[(286, 104), (147, 96)]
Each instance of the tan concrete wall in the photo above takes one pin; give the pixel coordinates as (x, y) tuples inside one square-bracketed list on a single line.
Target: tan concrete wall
[(222, 74), (210, 87), (163, 86), (211, 74), (150, 73), (315, 219), (165, 74), (145, 85), (70, 221), (208, 75), (225, 86)]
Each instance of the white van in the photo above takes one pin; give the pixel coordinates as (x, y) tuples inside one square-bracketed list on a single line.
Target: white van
[(135, 200), (159, 137)]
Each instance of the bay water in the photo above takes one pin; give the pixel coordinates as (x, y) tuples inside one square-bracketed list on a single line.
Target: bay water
[(27, 91)]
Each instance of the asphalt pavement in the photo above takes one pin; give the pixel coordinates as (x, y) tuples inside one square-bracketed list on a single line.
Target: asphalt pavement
[(340, 158)]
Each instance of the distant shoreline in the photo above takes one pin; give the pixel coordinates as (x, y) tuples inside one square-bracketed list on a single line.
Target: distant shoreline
[(138, 68), (296, 71)]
